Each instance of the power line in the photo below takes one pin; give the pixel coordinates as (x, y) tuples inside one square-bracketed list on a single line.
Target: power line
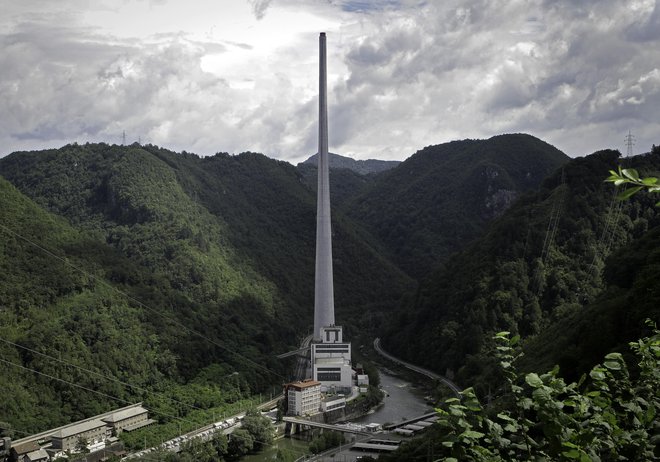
[(141, 304), (111, 379), (607, 236), (92, 390), (12, 429), (555, 214)]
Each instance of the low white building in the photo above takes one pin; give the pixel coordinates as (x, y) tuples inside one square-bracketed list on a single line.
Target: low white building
[(92, 431), (128, 419), (303, 398), (333, 403), (39, 455)]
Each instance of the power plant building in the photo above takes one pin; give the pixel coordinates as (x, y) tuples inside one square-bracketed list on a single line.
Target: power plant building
[(331, 361)]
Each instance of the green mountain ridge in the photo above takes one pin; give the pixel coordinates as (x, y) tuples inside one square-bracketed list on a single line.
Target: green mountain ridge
[(443, 196), (538, 265), (214, 256), (173, 271), (362, 167), (56, 302)]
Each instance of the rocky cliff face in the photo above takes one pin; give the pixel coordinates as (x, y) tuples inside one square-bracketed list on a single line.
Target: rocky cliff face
[(498, 202)]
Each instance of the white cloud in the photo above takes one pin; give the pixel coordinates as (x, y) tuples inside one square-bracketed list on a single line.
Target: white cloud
[(208, 76)]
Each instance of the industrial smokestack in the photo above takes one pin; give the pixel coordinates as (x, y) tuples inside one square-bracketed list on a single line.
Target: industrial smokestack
[(324, 299)]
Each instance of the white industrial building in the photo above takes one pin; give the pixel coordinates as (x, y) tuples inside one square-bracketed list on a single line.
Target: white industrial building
[(331, 361)]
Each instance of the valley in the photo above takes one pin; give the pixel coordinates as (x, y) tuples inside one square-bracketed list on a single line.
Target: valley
[(137, 274)]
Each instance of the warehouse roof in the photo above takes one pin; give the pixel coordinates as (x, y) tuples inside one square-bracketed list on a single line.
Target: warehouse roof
[(125, 414)]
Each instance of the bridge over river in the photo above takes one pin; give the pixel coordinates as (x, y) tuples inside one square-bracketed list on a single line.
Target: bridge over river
[(356, 429)]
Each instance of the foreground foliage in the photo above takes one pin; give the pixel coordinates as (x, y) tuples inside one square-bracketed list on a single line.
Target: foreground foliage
[(630, 176), (608, 415)]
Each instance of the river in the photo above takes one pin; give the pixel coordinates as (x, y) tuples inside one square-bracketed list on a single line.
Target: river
[(402, 401)]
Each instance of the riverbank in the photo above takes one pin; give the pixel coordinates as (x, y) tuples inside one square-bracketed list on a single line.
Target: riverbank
[(448, 383)]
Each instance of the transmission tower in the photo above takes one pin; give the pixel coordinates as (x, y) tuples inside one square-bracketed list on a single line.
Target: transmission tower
[(123, 138), (630, 142)]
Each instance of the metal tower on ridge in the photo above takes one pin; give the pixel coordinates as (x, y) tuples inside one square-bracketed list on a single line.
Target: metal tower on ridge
[(324, 299), (630, 142)]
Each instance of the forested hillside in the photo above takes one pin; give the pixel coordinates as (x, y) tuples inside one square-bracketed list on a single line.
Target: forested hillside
[(171, 272), (344, 183), (213, 258), (362, 167), (443, 196), (569, 267), (56, 304)]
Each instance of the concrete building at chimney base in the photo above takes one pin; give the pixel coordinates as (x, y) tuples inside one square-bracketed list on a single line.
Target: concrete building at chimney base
[(331, 361)]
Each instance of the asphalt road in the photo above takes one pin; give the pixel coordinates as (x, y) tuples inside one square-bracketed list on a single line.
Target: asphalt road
[(417, 369)]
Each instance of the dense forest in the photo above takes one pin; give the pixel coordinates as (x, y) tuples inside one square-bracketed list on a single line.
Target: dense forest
[(136, 273), (443, 196), (569, 267), (161, 270)]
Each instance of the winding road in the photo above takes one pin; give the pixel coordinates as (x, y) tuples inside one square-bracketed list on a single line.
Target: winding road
[(420, 370)]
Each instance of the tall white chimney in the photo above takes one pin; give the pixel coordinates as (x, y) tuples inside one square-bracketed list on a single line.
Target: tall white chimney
[(324, 299)]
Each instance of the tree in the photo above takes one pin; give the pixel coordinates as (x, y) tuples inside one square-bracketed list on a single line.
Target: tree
[(326, 441), (199, 451), (6, 430), (220, 444), (285, 456), (259, 428), (240, 443), (608, 415)]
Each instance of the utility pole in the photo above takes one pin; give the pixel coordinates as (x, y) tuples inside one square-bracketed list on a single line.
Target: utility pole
[(630, 142)]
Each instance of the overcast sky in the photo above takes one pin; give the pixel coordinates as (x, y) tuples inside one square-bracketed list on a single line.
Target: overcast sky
[(211, 76)]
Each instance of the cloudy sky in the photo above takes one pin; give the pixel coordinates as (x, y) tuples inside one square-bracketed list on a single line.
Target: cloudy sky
[(211, 76)]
